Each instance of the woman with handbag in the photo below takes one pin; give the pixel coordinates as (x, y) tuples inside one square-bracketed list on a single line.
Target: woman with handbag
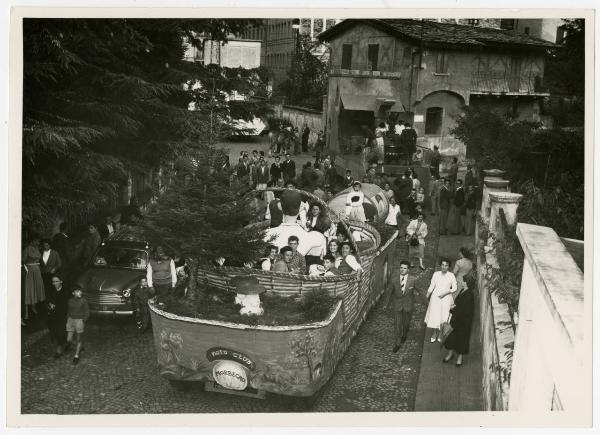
[(461, 321), (443, 284), (415, 237), (462, 267)]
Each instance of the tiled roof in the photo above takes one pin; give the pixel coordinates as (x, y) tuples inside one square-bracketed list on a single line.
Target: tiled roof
[(432, 32)]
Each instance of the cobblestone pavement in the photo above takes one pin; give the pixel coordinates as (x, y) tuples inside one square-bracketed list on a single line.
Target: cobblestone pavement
[(118, 371)]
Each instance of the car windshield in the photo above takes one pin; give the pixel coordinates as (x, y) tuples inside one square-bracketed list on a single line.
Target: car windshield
[(111, 256)]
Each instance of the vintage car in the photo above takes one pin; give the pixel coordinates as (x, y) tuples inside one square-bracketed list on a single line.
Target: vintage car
[(114, 270), (295, 360)]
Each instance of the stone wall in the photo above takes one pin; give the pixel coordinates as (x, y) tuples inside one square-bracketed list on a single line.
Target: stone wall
[(497, 325), (299, 116)]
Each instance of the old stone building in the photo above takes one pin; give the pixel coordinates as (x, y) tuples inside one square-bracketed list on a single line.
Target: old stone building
[(426, 72)]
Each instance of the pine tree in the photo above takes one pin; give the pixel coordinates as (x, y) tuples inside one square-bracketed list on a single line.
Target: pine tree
[(105, 95)]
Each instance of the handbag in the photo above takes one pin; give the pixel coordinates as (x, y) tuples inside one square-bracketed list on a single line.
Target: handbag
[(446, 329), (414, 239)]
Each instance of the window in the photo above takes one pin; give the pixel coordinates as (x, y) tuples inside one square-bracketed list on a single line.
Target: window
[(507, 24), (526, 30), (473, 22), (372, 56), (347, 56), (441, 65), (407, 55), (433, 121)]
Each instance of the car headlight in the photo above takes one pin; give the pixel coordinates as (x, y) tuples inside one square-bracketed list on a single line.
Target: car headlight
[(127, 293)]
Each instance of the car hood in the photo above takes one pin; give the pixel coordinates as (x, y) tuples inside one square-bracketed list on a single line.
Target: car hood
[(108, 279)]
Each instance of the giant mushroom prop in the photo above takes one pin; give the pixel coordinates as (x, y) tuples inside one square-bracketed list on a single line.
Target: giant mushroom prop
[(248, 291)]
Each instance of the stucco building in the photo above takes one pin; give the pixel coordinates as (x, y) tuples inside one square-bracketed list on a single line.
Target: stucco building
[(426, 72), (279, 39)]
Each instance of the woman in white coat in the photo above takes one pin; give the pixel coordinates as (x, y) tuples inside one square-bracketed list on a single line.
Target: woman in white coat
[(443, 285), (416, 231)]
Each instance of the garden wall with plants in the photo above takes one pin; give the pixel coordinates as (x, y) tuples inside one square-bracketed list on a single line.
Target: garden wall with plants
[(499, 270)]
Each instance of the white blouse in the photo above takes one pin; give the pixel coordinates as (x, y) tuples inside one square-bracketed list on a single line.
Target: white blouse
[(393, 212), (351, 261)]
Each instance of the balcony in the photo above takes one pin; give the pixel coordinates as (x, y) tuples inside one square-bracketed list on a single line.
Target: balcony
[(506, 84)]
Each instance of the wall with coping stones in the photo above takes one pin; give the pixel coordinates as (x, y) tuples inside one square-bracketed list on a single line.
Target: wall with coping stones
[(497, 335), (497, 327)]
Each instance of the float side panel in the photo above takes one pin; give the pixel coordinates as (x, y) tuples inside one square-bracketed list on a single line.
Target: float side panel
[(290, 362)]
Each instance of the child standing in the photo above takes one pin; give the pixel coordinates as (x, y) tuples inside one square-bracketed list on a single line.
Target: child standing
[(348, 180), (421, 197), (77, 314)]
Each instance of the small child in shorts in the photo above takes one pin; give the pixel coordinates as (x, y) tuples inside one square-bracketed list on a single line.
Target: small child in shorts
[(77, 314)]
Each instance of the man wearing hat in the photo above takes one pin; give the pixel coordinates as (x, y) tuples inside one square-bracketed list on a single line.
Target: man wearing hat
[(309, 242)]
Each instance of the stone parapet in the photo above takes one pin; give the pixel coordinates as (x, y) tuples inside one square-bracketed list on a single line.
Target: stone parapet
[(491, 185), (508, 202)]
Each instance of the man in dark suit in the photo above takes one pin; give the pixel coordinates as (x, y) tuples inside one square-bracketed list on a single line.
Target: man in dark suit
[(445, 202), (288, 167), (458, 209), (401, 293), (408, 142), (403, 189), (260, 175), (107, 228), (243, 168), (276, 170)]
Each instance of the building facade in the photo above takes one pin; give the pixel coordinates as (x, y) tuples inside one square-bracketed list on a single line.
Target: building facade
[(279, 38), (234, 53), (427, 72), (548, 29)]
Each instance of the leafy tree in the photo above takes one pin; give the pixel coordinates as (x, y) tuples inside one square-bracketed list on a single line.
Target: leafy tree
[(565, 68), (544, 165), (103, 95), (307, 79), (564, 77)]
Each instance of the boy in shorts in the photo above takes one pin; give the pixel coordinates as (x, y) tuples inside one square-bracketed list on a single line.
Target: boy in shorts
[(77, 314)]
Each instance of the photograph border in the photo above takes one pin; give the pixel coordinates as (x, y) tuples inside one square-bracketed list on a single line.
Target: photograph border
[(578, 418)]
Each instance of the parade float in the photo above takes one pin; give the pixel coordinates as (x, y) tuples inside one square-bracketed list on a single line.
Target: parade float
[(291, 360)]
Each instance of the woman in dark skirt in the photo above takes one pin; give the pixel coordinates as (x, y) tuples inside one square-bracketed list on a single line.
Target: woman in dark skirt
[(58, 300), (462, 320)]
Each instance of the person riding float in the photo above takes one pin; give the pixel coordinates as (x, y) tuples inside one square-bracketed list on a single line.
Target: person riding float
[(309, 242)]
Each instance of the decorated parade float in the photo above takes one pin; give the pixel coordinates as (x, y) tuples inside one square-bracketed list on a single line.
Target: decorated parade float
[(248, 353)]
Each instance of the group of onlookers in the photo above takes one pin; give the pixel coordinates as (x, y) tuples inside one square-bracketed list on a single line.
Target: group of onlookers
[(456, 202), (47, 267), (450, 301)]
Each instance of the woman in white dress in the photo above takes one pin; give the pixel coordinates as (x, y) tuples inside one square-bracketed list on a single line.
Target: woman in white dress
[(354, 203), (443, 285), (380, 131)]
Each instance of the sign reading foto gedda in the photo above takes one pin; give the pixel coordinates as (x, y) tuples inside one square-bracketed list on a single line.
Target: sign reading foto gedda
[(231, 369)]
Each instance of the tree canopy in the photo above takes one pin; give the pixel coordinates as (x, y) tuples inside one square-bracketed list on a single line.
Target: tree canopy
[(565, 68), (104, 95), (307, 79), (546, 165)]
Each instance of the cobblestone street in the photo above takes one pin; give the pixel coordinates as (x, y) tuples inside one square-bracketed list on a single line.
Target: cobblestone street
[(118, 371)]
